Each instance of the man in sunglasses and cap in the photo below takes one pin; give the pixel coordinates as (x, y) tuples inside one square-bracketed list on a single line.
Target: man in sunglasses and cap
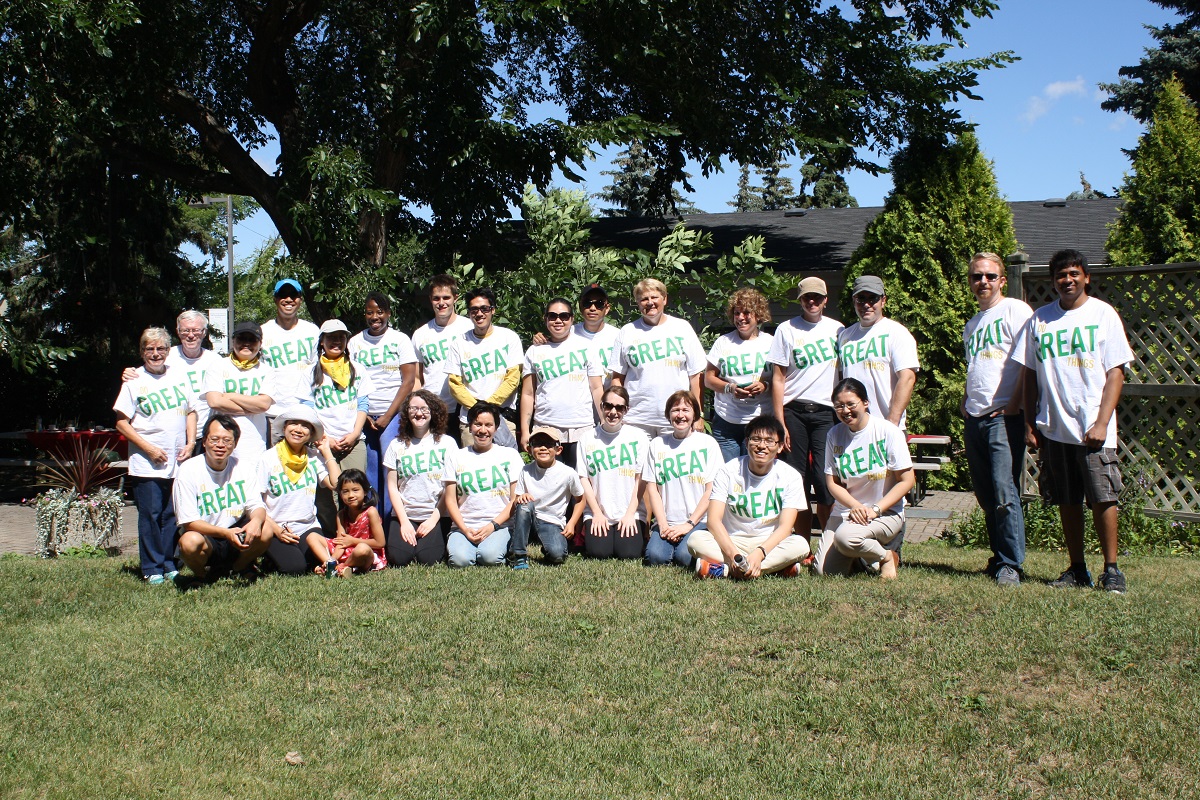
[(879, 351)]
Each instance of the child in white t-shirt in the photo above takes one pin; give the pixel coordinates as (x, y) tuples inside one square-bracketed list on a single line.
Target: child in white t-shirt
[(545, 489)]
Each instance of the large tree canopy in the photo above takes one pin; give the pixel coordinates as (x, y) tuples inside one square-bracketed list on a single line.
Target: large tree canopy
[(388, 111)]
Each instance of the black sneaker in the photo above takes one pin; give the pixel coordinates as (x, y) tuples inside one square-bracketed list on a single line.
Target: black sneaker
[(1075, 577), (1113, 580)]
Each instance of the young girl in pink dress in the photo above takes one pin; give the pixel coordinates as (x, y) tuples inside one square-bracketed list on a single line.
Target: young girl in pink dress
[(359, 545)]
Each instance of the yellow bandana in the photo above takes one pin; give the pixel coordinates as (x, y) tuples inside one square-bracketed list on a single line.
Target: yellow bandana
[(338, 369), (243, 365), (293, 465)]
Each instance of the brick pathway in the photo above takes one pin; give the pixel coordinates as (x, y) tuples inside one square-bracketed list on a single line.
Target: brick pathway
[(927, 521)]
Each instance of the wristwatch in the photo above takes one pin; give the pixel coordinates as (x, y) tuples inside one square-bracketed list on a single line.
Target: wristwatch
[(875, 508)]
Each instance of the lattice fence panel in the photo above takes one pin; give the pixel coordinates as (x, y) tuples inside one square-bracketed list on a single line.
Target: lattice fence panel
[(1158, 418)]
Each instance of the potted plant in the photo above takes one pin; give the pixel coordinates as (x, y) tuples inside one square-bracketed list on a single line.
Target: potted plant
[(79, 509)]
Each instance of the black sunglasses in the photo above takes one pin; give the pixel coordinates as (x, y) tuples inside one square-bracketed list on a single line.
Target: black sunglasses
[(561, 316)]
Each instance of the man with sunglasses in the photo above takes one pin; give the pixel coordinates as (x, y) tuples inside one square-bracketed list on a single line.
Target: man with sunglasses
[(995, 427), (485, 364), (593, 326), (880, 352)]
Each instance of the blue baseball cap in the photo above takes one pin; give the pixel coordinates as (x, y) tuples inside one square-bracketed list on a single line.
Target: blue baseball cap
[(292, 282)]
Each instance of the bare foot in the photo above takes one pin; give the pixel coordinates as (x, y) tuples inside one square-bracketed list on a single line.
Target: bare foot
[(887, 567)]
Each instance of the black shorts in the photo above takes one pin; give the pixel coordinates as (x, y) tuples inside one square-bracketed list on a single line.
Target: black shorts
[(1070, 474)]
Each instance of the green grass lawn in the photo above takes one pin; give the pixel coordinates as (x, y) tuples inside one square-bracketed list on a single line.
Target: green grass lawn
[(600, 680)]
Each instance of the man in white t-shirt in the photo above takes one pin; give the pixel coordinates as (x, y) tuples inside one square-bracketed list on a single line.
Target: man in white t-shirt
[(805, 357), (485, 364), (1074, 352), (289, 346), (880, 352), (433, 341), (995, 427), (593, 326)]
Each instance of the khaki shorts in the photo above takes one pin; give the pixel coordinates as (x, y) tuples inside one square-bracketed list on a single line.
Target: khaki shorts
[(1071, 474)]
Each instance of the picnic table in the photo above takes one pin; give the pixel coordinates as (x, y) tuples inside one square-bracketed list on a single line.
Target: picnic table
[(926, 458)]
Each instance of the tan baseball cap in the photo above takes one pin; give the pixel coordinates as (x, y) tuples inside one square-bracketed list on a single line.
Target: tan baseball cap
[(813, 286)]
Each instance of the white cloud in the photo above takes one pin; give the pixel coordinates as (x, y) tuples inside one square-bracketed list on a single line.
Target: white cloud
[(1040, 104)]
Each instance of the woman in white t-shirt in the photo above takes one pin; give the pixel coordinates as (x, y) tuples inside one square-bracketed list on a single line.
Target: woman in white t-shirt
[(678, 476), (156, 413), (418, 461), (738, 372), (610, 464), (868, 471), (480, 491)]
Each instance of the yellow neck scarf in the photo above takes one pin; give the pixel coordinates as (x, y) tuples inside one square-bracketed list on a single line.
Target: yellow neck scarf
[(243, 365), (293, 465), (338, 369)]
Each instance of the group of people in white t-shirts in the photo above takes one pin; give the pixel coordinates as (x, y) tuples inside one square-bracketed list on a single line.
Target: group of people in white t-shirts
[(421, 438)]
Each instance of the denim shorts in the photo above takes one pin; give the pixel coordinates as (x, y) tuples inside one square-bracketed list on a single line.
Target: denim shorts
[(1070, 474)]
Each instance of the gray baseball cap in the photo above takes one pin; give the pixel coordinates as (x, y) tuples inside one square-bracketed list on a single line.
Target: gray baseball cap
[(868, 283)]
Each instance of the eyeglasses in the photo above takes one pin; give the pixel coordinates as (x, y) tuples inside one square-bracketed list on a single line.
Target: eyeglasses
[(473, 310), (151, 349), (763, 441), (619, 408), (247, 340), (593, 303), (420, 411), (191, 331), (559, 316), (811, 298), (220, 440), (867, 299), (985, 276), (846, 406), (741, 312)]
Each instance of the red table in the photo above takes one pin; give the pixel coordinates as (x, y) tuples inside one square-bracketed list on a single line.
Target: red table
[(62, 443)]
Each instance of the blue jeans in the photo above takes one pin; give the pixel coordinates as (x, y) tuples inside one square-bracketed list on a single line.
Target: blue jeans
[(995, 455), (730, 437), (488, 553), (659, 551), (156, 524), (377, 444), (554, 544)]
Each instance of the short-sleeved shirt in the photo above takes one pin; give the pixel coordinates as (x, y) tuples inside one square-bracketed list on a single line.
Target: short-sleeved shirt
[(422, 469), (552, 489), (484, 481), (753, 503), (195, 369), (741, 362), (258, 380), (291, 354), (338, 407), (875, 356), (380, 358), (563, 397), (808, 353), (988, 338), (657, 361), (1072, 352), (292, 504), (482, 363), (601, 343), (432, 343), (681, 468), (613, 462), (202, 494), (862, 460), (157, 407)]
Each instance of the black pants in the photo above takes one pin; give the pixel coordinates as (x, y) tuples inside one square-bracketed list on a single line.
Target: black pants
[(292, 559), (612, 544), (430, 549), (808, 425)]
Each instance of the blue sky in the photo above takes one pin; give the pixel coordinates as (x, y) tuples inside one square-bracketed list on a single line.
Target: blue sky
[(1039, 121)]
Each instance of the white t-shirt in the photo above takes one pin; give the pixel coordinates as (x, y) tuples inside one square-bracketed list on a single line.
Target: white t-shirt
[(656, 362), (422, 469), (753, 503), (484, 481), (808, 353), (552, 489), (742, 362), (292, 355), (875, 356), (380, 359), (432, 344), (563, 397), (1072, 352), (601, 343), (481, 363), (218, 498), (682, 468), (862, 460), (292, 505), (258, 380), (157, 407), (194, 368), (988, 339), (338, 408), (613, 463)]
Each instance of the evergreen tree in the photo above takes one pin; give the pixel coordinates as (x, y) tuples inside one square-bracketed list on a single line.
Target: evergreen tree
[(829, 189), (1160, 219), (634, 191), (1177, 55), (777, 191), (945, 207), (746, 199)]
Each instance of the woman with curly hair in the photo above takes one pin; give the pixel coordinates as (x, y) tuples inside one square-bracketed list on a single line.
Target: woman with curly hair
[(418, 462), (738, 372)]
